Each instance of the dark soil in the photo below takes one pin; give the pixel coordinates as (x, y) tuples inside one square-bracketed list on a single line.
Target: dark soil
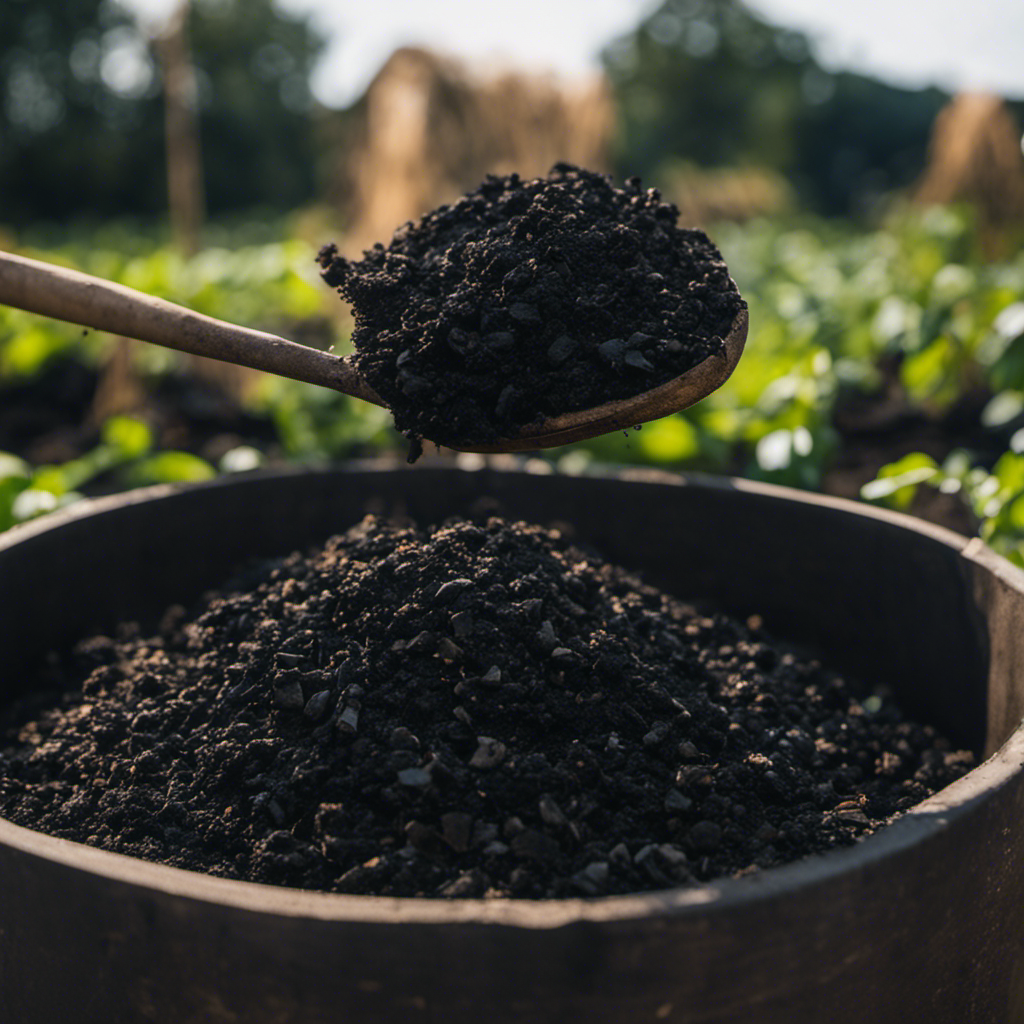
[(525, 300), (470, 710)]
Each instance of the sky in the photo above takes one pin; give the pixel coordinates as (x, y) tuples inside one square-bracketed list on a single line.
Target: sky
[(956, 44)]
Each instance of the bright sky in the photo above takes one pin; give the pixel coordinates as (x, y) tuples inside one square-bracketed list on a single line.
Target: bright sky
[(956, 44), (952, 43)]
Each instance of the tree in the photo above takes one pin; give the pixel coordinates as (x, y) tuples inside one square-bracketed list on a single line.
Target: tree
[(713, 83), (709, 81), (75, 132), (253, 64), (81, 124)]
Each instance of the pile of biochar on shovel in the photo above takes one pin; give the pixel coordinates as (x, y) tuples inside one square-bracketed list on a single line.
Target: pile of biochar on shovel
[(526, 300), (470, 710)]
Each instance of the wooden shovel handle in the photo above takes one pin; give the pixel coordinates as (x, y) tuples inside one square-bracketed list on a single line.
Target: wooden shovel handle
[(79, 298)]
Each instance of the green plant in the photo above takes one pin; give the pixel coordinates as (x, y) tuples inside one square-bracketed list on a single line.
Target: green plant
[(125, 451), (996, 496), (829, 305)]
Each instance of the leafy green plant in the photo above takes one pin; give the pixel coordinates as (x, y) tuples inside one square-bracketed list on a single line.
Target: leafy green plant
[(125, 451), (996, 496), (829, 304), (264, 286), (316, 424)]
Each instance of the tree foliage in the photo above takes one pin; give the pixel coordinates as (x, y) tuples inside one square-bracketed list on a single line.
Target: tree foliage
[(81, 120), (711, 82), (66, 136), (254, 63)]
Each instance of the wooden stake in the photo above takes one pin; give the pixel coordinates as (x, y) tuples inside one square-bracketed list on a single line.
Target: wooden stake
[(184, 160)]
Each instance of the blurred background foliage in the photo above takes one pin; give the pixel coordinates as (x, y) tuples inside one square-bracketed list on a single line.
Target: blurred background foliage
[(713, 80), (886, 352), (82, 123)]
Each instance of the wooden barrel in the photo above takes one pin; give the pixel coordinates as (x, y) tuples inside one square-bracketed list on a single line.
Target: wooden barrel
[(922, 921)]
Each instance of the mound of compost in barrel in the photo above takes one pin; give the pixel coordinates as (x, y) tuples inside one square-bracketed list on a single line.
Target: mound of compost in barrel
[(528, 299), (465, 710)]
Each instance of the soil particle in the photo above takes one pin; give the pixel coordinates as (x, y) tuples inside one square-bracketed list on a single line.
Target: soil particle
[(528, 299), (309, 727)]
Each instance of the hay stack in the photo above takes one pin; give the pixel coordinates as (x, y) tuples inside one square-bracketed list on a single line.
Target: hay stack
[(431, 130), (975, 157), (725, 193)]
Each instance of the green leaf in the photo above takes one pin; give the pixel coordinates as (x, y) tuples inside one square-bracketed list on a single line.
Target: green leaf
[(775, 451), (242, 459), (52, 479), (671, 439), (26, 353), (915, 460), (31, 503), (1013, 513), (1009, 471), (957, 464), (12, 466), (926, 374), (1001, 408), (131, 437), (896, 318), (952, 283), (10, 488), (168, 468), (897, 483), (71, 475)]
